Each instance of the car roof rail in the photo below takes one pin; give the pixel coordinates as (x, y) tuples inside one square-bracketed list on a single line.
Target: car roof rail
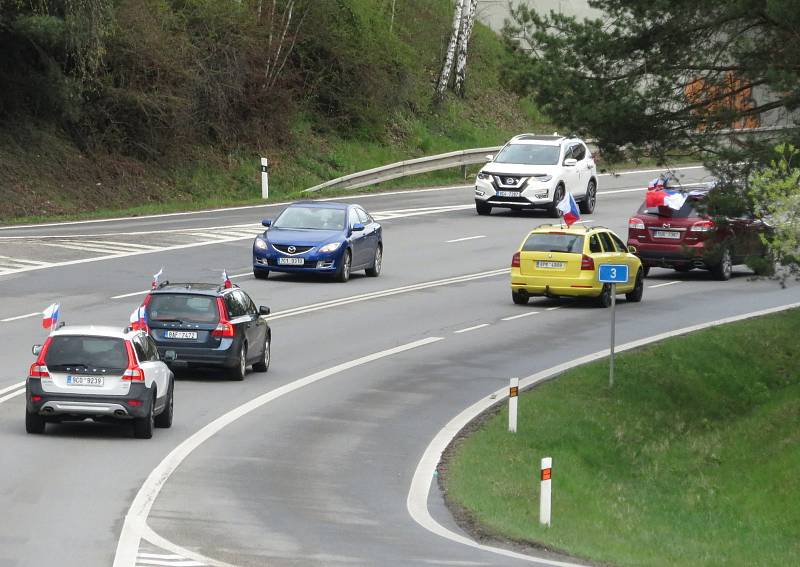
[(165, 283)]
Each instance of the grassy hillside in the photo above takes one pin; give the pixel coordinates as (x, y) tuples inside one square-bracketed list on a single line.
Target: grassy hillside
[(174, 117)]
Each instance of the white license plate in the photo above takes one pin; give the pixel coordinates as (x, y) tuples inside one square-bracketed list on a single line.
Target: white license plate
[(84, 380), (667, 234), (291, 261), (181, 334), (547, 264), (508, 193)]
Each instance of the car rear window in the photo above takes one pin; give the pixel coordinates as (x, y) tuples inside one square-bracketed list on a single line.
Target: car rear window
[(554, 242), (688, 210), (182, 307), (67, 351)]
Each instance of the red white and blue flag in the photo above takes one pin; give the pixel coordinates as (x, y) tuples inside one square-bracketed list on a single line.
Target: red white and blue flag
[(139, 318), (50, 316), (156, 276), (660, 195), (569, 209), (226, 281)]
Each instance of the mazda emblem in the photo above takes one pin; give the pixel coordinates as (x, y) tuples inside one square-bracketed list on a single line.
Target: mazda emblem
[(666, 225), (291, 249)]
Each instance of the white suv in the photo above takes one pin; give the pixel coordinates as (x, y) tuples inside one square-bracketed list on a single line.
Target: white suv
[(533, 171), (104, 373)]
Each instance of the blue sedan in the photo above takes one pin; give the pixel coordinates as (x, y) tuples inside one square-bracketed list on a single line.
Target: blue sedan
[(321, 237)]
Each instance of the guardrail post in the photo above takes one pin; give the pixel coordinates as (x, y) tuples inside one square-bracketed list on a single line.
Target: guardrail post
[(264, 178), (464, 171)]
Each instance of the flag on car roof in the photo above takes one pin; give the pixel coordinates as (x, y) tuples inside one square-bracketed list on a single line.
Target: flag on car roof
[(156, 276), (50, 316), (226, 281), (668, 198), (569, 209)]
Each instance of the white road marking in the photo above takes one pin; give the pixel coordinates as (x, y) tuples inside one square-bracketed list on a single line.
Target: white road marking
[(131, 294), (417, 501), (12, 387), (468, 329), (465, 238), (553, 308), (159, 556), (12, 395), (663, 284), (520, 316), (7, 319), (22, 261), (241, 275), (135, 527), (86, 247), (117, 245), (169, 563), (635, 171)]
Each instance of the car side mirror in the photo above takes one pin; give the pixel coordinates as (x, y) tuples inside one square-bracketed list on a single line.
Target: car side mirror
[(358, 227), (36, 349), (489, 157), (266, 222), (264, 310), (170, 356), (570, 162), (632, 249)]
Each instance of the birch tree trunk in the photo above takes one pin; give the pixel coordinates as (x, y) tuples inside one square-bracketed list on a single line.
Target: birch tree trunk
[(447, 66), (467, 22), (391, 22)]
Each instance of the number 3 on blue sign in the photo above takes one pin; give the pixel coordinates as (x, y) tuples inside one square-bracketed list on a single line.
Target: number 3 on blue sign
[(613, 273)]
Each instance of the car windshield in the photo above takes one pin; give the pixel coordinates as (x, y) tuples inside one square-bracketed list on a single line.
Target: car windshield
[(182, 307), (91, 353), (554, 242), (315, 218), (688, 210), (529, 154)]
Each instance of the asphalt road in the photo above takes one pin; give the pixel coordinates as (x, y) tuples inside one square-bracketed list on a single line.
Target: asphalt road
[(317, 472)]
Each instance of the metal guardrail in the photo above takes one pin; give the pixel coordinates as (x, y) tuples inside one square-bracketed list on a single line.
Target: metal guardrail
[(408, 167)]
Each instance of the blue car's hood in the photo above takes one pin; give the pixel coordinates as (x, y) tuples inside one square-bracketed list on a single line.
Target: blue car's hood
[(302, 237)]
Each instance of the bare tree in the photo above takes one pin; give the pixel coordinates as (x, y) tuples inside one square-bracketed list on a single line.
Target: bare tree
[(284, 27), (467, 22), (447, 66), (391, 21)]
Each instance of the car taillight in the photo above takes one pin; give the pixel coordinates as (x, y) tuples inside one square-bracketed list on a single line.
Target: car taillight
[(515, 260), (702, 226), (225, 327), (587, 263), (636, 224), (133, 373), (38, 371)]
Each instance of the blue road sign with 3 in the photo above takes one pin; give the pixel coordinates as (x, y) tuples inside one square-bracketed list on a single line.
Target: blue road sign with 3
[(613, 273)]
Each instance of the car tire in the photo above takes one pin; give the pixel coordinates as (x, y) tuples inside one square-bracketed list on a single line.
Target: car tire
[(635, 295), (263, 364), (587, 204), (238, 372), (143, 426), (377, 263), (558, 194), (483, 208), (261, 274), (519, 298), (164, 419), (722, 269), (34, 423), (343, 272), (604, 299)]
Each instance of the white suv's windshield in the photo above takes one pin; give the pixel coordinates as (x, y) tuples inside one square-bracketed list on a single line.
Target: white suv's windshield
[(529, 154), (311, 218)]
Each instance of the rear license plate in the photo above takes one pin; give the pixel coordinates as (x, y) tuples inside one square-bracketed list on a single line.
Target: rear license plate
[(547, 264), (291, 261), (181, 334), (508, 193), (84, 380), (667, 234)]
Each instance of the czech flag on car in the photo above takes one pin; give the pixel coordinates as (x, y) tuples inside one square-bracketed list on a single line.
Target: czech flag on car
[(226, 281), (659, 195), (569, 209), (50, 316), (139, 318)]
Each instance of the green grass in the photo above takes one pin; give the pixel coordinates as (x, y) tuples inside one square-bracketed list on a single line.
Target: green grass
[(691, 459)]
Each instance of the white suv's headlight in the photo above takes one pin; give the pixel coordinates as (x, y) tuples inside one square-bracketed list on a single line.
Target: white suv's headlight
[(332, 247), (542, 178), (260, 243), (482, 175)]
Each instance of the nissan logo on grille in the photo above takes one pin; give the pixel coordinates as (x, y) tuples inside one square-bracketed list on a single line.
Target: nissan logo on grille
[(511, 181), (291, 249)]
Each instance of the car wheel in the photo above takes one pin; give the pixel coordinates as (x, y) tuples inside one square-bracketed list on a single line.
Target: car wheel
[(635, 295), (375, 270), (482, 208), (343, 273), (238, 371), (164, 419), (519, 298), (587, 205), (34, 423), (143, 426), (722, 270), (263, 364), (604, 299), (557, 196), (261, 274)]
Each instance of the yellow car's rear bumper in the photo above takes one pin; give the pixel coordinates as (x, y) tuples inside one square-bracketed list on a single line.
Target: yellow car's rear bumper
[(585, 285)]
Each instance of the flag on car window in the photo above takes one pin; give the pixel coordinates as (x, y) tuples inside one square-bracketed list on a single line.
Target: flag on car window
[(568, 209), (50, 316), (139, 318)]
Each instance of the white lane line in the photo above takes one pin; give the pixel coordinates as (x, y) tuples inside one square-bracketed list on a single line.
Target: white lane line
[(465, 238), (12, 387), (12, 395), (468, 329), (23, 261), (135, 526), (519, 316), (7, 319), (85, 248), (131, 294), (159, 556), (553, 308), (241, 275), (417, 501), (662, 170), (663, 284), (169, 563), (116, 245)]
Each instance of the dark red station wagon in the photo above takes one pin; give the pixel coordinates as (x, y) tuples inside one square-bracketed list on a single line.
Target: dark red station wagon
[(685, 239)]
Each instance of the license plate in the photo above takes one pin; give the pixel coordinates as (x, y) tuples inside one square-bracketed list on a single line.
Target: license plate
[(181, 334), (667, 234), (508, 193), (291, 261), (84, 380), (547, 264)]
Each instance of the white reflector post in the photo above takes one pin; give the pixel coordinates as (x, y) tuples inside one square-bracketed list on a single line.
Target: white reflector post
[(264, 179), (544, 497), (513, 395)]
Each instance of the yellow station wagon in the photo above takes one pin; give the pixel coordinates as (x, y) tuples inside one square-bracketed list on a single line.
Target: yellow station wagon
[(556, 261)]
